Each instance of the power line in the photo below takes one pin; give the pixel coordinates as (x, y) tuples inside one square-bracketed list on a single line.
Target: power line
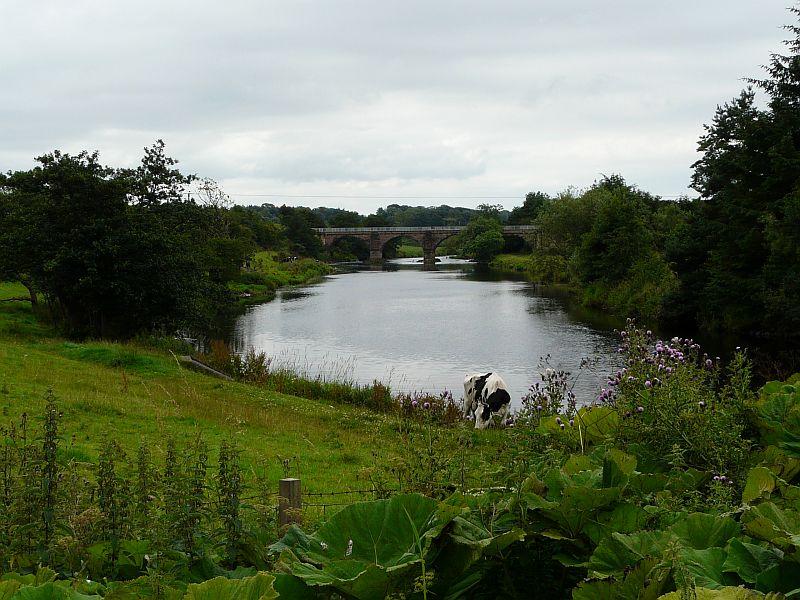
[(324, 196), (381, 197)]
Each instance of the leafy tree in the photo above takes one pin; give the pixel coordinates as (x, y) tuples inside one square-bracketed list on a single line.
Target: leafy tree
[(156, 180), (743, 271), (610, 240), (376, 220), (482, 239), (530, 209), (493, 211), (345, 218), (249, 223), (618, 236), (299, 223), (109, 259)]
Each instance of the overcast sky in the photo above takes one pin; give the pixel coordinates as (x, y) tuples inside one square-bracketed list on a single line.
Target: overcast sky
[(377, 98)]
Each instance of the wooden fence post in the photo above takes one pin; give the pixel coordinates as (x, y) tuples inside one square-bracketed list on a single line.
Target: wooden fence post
[(290, 501)]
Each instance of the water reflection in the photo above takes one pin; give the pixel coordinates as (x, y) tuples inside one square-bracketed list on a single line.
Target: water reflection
[(423, 330)]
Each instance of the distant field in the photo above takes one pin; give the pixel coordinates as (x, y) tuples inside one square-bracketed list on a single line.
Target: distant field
[(408, 251)]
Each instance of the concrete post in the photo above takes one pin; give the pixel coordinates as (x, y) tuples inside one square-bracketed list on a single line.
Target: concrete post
[(290, 501)]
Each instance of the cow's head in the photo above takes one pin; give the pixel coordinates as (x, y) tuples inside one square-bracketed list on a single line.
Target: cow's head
[(483, 416)]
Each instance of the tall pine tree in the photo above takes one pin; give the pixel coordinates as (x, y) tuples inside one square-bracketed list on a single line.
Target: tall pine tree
[(740, 266)]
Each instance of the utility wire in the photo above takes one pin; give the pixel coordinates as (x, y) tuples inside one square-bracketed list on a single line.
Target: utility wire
[(406, 197), (382, 197)]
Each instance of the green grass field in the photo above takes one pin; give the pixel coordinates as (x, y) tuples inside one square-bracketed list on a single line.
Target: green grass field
[(134, 394), (408, 251)]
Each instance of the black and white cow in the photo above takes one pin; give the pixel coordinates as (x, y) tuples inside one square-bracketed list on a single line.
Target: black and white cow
[(486, 395)]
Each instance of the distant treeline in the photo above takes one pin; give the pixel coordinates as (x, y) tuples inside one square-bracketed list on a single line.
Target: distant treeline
[(113, 252)]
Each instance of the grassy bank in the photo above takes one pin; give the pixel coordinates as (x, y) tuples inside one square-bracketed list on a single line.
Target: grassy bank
[(267, 274), (544, 269), (136, 394), (408, 251), (639, 295)]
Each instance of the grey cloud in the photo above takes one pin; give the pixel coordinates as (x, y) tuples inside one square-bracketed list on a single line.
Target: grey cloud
[(357, 96)]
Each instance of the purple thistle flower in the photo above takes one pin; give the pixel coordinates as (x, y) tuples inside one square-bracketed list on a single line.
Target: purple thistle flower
[(648, 384), (572, 422), (709, 363), (427, 405), (640, 409), (414, 403)]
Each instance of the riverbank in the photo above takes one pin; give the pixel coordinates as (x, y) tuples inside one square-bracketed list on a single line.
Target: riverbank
[(640, 296), (267, 273), (137, 394), (541, 269)]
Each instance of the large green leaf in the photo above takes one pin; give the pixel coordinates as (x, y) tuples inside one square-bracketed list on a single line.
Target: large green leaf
[(647, 483), (258, 587), (702, 530), (292, 588), (578, 507), (50, 591), (619, 552), (779, 415), (642, 583), (577, 463), (8, 589), (707, 567), (768, 522), (366, 550), (782, 578), (748, 561), (781, 464), (598, 422), (42, 575), (623, 518), (617, 468), (761, 482)]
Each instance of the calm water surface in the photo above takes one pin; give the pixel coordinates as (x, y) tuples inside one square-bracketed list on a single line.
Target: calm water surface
[(424, 330)]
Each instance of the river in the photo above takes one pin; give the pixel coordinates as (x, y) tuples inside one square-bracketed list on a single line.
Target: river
[(424, 330)]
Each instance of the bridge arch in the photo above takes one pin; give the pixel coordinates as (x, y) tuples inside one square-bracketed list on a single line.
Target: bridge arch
[(428, 237), (340, 247)]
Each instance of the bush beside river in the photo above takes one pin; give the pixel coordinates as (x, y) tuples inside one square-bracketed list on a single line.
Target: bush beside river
[(268, 272)]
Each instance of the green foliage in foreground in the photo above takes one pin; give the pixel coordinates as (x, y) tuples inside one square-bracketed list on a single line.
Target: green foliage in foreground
[(677, 480)]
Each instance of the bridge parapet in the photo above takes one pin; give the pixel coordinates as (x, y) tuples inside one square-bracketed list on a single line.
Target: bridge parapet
[(428, 237), (438, 228)]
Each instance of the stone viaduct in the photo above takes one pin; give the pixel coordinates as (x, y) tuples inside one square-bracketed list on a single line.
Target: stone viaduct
[(428, 237)]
